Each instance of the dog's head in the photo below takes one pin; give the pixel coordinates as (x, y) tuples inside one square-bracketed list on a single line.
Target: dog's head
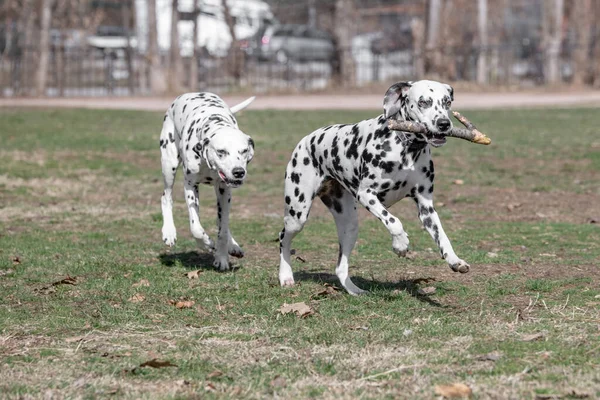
[(426, 102), (228, 152)]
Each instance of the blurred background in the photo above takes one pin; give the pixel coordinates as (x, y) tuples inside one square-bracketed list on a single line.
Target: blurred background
[(154, 47)]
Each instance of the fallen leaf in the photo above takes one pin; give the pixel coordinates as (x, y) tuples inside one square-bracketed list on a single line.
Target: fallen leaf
[(512, 206), (137, 298), (440, 204), (143, 282), (411, 255), (579, 395), (459, 182), (6, 271), (182, 304), (453, 390), (16, 260), (74, 339), (156, 363), (359, 328), (193, 274), (236, 391), (329, 290), (491, 254), (532, 337), (209, 387), (69, 280), (279, 381), (426, 291), (493, 356), (301, 309), (215, 374)]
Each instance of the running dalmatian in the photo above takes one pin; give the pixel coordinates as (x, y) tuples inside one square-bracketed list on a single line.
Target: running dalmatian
[(200, 131), (372, 165)]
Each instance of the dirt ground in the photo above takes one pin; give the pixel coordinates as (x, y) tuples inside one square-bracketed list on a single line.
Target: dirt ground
[(351, 101)]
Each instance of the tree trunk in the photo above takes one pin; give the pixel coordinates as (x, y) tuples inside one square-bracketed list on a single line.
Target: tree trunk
[(482, 25), (42, 71), (235, 56), (581, 20), (195, 52), (126, 17), (554, 18), (175, 63), (344, 30), (157, 75), (432, 48), (418, 35)]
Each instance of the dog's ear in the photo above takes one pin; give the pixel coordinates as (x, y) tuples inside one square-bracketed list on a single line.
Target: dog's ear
[(392, 101), (250, 149), (204, 148), (450, 92)]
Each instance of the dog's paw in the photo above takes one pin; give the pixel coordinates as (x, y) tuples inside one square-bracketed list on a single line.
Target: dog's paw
[(400, 244), (221, 263), (460, 266), (235, 250), (286, 281), (169, 235)]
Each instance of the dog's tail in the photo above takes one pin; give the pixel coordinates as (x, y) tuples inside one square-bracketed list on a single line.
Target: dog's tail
[(242, 105)]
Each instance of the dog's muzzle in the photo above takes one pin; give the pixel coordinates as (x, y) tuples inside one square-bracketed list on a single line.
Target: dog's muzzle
[(237, 179)]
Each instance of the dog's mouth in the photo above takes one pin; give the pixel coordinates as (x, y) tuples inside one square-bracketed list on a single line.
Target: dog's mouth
[(230, 182), (436, 140)]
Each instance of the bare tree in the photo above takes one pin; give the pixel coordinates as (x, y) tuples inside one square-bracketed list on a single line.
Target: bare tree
[(482, 18), (418, 35), (235, 55), (157, 74), (175, 63), (343, 30), (126, 17), (195, 50), (582, 16), (432, 46), (553, 19), (42, 69)]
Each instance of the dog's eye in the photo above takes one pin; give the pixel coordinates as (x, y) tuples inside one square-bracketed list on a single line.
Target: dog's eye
[(448, 104), (222, 153), (422, 103), (243, 151)]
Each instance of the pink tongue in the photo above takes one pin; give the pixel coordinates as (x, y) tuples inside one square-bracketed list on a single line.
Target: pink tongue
[(222, 175)]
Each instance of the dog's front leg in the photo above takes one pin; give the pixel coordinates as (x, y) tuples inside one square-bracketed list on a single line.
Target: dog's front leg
[(433, 225), (368, 198), (224, 237), (191, 198)]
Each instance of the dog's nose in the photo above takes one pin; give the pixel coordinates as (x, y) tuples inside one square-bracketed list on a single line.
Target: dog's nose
[(238, 172), (443, 124)]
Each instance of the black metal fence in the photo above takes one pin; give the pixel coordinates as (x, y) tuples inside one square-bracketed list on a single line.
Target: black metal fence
[(95, 72)]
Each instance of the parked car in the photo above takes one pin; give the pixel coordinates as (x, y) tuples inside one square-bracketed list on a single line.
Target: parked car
[(283, 43)]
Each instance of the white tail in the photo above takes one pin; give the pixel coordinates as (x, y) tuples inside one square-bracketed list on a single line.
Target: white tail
[(242, 105)]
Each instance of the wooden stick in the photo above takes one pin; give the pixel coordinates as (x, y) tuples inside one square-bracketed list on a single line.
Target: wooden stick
[(478, 136), (471, 133)]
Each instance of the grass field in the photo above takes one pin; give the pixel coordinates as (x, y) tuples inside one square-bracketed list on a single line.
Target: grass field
[(87, 287)]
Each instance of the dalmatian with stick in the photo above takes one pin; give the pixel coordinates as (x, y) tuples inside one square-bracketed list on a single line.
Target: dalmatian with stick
[(370, 164), (200, 132)]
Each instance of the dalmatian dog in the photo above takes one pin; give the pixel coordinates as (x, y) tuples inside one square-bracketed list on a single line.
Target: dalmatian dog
[(368, 163), (200, 132)]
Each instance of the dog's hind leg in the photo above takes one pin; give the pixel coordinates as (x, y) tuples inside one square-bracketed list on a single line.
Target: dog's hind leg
[(301, 186), (170, 161), (343, 207)]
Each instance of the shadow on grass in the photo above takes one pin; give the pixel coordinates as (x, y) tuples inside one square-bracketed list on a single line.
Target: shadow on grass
[(188, 259), (192, 260), (410, 286)]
